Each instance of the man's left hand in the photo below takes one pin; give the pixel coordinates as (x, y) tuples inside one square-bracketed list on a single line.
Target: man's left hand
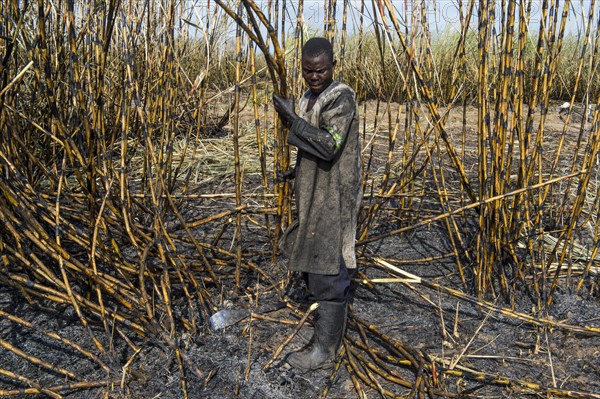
[(285, 176), (285, 108)]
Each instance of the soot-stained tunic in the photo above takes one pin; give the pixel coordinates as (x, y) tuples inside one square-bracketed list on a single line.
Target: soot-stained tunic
[(328, 181)]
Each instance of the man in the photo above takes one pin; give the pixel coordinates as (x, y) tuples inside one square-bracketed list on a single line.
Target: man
[(327, 192)]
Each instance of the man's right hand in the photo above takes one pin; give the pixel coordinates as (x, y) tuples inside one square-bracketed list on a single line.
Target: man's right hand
[(285, 108)]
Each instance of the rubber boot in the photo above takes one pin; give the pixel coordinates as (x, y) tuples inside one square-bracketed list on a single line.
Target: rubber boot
[(329, 331)]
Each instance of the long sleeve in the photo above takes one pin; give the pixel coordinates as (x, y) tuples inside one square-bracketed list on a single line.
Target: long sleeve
[(325, 141)]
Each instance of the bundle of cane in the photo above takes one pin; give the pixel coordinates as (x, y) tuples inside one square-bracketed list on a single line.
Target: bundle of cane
[(273, 52)]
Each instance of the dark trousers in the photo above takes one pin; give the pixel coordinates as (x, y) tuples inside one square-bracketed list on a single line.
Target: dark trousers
[(328, 287)]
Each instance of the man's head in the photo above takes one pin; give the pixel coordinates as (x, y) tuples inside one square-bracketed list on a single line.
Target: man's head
[(318, 64)]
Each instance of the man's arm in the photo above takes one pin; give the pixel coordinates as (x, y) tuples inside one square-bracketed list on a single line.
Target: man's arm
[(326, 140)]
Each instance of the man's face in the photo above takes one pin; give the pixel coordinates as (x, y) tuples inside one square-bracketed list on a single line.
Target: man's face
[(317, 72)]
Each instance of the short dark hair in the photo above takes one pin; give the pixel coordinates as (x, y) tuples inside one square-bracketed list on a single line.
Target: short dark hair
[(316, 46)]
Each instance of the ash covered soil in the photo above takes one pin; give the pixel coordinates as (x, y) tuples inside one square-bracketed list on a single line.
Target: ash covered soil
[(232, 360), (519, 359)]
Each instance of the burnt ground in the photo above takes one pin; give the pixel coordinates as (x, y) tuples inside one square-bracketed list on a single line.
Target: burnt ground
[(232, 359), (429, 321)]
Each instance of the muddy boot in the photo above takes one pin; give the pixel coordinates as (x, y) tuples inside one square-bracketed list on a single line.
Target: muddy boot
[(329, 331)]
